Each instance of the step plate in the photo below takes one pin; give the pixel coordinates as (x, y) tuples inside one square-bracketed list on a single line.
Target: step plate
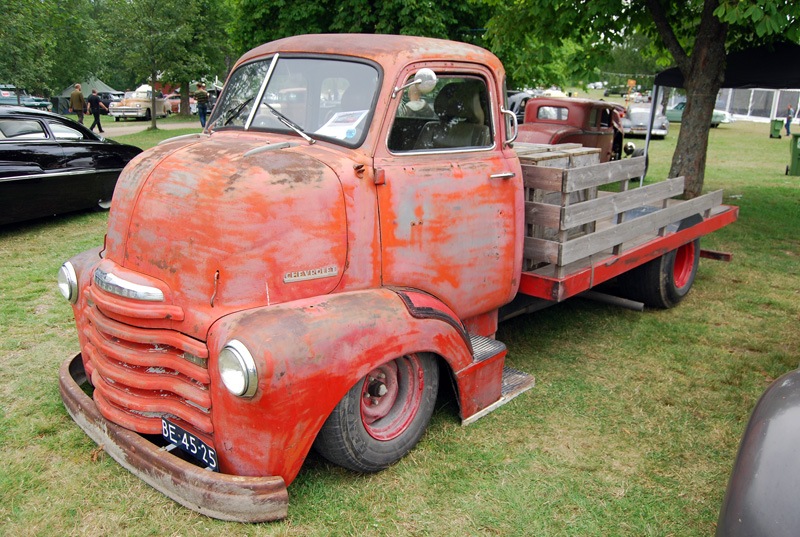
[(515, 382), (484, 348)]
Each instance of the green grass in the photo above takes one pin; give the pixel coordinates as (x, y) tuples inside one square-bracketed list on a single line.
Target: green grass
[(631, 429)]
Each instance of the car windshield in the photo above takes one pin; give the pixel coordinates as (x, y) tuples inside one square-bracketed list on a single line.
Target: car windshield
[(322, 98)]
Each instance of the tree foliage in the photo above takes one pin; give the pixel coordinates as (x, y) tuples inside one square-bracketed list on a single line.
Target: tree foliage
[(697, 35), (258, 21), (27, 57)]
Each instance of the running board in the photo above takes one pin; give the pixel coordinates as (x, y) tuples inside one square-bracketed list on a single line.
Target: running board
[(514, 383)]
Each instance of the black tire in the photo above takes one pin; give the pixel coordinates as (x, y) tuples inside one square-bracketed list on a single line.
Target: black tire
[(147, 116), (665, 281), (382, 417)]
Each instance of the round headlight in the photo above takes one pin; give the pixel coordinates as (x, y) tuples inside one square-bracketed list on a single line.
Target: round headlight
[(68, 282), (238, 369)]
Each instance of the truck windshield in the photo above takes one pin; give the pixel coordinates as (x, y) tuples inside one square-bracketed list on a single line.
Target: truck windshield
[(325, 98)]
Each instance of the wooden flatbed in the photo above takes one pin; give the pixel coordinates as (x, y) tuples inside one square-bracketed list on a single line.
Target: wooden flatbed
[(578, 236)]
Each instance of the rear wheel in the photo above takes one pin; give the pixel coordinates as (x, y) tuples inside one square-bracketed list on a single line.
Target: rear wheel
[(664, 282), (383, 416)]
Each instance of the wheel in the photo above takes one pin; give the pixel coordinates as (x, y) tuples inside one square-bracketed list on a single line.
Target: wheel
[(383, 416), (116, 118), (665, 281), (147, 115)]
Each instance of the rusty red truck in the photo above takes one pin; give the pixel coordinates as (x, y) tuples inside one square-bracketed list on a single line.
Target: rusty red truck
[(343, 237)]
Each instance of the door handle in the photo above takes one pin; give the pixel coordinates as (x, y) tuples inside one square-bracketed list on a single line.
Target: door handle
[(504, 175)]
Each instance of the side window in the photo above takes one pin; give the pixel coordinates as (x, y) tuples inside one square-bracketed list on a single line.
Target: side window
[(63, 132), (593, 118), (556, 113), (605, 118), (22, 129), (455, 115)]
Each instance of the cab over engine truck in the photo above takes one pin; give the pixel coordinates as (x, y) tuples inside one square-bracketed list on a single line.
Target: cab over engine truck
[(342, 238)]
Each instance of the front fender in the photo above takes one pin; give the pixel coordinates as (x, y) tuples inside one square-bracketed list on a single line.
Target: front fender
[(308, 354), (762, 493)]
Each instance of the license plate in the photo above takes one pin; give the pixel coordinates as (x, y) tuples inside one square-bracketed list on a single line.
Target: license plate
[(190, 444)]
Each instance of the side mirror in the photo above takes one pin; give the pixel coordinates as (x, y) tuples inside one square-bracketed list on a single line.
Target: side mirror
[(425, 79)]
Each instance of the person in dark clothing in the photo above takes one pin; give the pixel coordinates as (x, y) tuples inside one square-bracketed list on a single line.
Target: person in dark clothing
[(77, 103), (95, 106), (201, 96)]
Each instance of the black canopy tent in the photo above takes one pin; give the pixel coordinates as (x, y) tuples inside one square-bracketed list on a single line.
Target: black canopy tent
[(772, 66)]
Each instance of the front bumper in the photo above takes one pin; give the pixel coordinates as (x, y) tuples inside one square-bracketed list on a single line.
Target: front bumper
[(130, 112), (222, 496)]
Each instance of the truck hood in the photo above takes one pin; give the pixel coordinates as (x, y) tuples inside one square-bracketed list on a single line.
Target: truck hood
[(220, 228)]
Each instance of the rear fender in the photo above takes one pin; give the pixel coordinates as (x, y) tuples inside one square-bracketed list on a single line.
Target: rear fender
[(308, 354)]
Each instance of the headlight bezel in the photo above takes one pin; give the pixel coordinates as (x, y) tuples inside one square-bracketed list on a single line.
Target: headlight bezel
[(68, 282), (237, 369)]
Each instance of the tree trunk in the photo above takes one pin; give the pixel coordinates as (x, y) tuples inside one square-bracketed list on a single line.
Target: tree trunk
[(153, 78), (185, 109), (702, 82), (703, 72)]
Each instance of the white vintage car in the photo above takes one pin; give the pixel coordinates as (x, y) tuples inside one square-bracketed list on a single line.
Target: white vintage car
[(138, 104)]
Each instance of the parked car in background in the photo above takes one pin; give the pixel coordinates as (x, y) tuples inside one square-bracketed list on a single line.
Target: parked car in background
[(717, 117), (620, 90), (516, 103), (138, 105), (8, 96), (50, 165), (174, 101), (636, 120), (588, 122), (107, 98)]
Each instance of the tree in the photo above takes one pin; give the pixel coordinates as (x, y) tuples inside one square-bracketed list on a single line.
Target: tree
[(258, 21), (28, 47), (157, 34), (209, 49), (697, 34)]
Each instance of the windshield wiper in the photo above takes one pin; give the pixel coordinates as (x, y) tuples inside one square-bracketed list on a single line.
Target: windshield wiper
[(289, 123), (236, 111)]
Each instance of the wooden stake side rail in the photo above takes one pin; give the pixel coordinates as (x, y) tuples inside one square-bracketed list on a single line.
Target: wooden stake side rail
[(582, 278), (577, 236)]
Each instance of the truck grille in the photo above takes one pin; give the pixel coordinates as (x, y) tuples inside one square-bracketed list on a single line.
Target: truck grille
[(143, 374)]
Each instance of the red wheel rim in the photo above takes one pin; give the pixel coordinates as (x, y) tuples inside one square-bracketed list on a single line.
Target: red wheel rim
[(684, 265), (390, 397)]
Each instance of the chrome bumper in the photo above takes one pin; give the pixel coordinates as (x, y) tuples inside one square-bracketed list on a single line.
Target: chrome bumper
[(222, 496)]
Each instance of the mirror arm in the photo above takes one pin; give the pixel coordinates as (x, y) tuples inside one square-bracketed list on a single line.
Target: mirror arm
[(397, 90)]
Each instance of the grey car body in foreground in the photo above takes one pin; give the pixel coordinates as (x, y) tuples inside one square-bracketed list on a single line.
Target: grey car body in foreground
[(762, 494), (50, 165)]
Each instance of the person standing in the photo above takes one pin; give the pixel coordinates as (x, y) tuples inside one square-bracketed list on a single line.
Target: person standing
[(95, 106), (789, 117), (77, 103), (201, 96)]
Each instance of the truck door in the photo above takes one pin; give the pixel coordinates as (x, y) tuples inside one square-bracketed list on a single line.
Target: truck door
[(450, 201)]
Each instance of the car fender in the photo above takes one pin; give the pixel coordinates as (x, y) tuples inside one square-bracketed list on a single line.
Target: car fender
[(308, 354), (762, 493)]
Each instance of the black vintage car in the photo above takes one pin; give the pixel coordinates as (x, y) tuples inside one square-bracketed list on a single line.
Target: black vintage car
[(50, 165)]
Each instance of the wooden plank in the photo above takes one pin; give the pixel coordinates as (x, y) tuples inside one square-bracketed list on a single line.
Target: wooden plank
[(598, 241), (542, 177), (527, 148), (608, 206), (541, 250), (603, 174), (543, 214)]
